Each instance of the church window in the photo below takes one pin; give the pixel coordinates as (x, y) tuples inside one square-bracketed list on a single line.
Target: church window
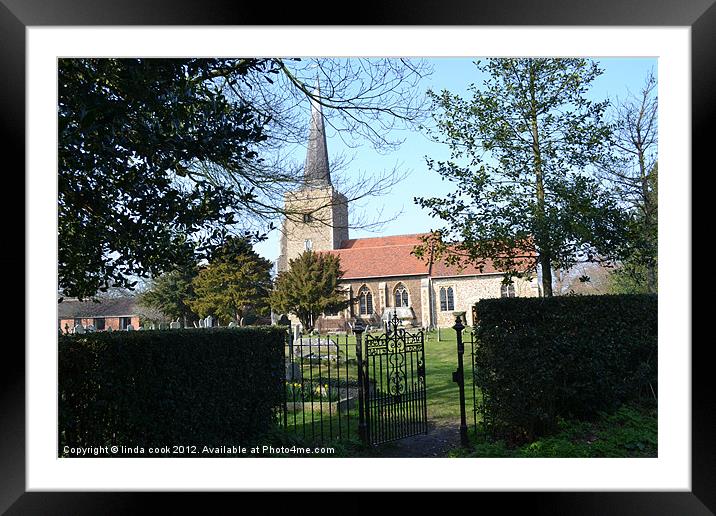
[(447, 299), (365, 301), (401, 295), (308, 243), (507, 290)]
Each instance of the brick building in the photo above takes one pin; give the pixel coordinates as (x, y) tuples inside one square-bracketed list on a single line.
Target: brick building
[(381, 274), (115, 313)]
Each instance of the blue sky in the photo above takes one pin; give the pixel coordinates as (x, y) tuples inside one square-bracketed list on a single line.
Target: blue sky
[(621, 76)]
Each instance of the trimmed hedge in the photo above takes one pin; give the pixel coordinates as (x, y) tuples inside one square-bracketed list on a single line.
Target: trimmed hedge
[(208, 386), (539, 359)]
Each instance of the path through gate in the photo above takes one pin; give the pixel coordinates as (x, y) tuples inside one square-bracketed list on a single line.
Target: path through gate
[(392, 376)]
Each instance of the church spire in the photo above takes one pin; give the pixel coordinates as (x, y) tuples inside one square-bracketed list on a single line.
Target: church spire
[(316, 172)]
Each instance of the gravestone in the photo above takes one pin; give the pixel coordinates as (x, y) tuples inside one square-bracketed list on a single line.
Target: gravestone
[(175, 325), (79, 329), (284, 321), (293, 371), (316, 347), (130, 327), (90, 328), (208, 322), (233, 324)]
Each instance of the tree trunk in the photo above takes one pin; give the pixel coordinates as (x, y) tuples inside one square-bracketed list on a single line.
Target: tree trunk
[(542, 240)]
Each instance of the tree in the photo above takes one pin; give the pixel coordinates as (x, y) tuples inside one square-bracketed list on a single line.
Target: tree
[(170, 293), (129, 130), (521, 150), (632, 172), (234, 284), (160, 158), (310, 287)]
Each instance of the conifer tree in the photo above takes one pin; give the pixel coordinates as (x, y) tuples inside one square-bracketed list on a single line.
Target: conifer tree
[(309, 288)]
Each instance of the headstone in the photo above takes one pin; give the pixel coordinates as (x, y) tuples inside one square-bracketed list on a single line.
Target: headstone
[(175, 325), (130, 327), (79, 329), (284, 321), (209, 321), (293, 371), (201, 323), (316, 347), (233, 324), (110, 329), (90, 328)]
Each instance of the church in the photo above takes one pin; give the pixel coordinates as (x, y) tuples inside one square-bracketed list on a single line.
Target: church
[(381, 274)]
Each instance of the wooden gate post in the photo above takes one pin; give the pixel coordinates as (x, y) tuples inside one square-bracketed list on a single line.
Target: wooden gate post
[(362, 388), (459, 377)]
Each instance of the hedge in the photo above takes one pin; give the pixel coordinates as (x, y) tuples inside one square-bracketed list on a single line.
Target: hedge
[(539, 359), (208, 386)]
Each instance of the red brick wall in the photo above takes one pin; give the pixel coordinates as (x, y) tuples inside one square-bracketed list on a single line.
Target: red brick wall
[(109, 322)]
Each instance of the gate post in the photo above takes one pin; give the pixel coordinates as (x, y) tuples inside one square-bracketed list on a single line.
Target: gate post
[(362, 391), (459, 377)]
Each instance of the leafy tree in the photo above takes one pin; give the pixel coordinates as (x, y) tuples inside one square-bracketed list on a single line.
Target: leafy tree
[(521, 151), (310, 287), (160, 158), (129, 132), (169, 294), (234, 284)]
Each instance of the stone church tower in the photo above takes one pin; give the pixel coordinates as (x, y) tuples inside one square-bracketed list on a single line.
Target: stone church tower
[(316, 214)]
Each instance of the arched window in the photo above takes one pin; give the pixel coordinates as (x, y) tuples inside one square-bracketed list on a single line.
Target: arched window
[(401, 295), (365, 301), (447, 299), (507, 290)]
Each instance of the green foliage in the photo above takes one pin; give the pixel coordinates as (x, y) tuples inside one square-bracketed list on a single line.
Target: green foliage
[(131, 132), (631, 277), (199, 387), (235, 284), (630, 431), (539, 359), (169, 292), (310, 287), (522, 149)]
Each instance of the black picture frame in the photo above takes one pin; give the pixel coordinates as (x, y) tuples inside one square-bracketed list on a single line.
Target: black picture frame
[(16, 15)]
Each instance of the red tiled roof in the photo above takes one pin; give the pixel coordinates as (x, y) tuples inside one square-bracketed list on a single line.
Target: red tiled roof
[(381, 256), (391, 256)]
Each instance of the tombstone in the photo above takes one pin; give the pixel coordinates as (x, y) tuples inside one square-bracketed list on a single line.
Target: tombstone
[(208, 322), (284, 321), (316, 347), (293, 371), (110, 329), (79, 329), (130, 327), (175, 325), (233, 324), (201, 323), (90, 328)]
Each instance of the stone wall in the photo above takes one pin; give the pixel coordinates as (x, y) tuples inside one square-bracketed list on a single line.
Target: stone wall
[(468, 290)]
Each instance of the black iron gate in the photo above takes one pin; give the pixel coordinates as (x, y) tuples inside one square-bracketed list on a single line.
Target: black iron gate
[(392, 375)]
